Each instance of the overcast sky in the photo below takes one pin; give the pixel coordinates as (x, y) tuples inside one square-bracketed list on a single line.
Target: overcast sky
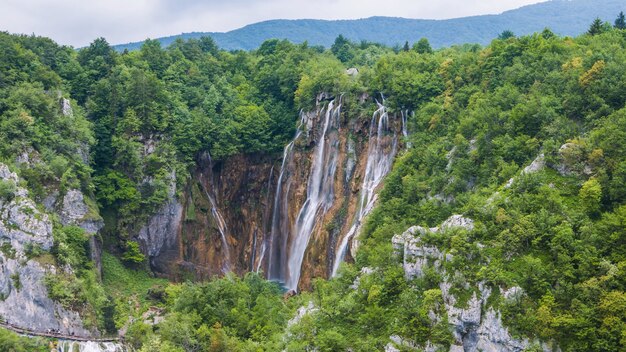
[(78, 22)]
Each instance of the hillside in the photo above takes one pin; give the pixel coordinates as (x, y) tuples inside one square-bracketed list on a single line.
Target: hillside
[(194, 199), (564, 17)]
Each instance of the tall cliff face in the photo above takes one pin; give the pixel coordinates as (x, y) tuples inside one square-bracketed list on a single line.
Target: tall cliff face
[(293, 217), (24, 229)]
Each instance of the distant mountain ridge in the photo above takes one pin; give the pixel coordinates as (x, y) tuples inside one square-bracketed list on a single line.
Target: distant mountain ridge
[(564, 17)]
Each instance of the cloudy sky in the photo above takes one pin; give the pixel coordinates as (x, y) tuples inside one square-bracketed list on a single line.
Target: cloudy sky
[(78, 22)]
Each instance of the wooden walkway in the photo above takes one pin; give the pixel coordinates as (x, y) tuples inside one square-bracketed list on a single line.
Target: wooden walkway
[(54, 335)]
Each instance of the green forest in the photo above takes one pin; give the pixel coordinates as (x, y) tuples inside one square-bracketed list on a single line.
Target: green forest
[(481, 116)]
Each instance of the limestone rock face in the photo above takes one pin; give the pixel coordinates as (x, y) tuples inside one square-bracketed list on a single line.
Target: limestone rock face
[(24, 298), (537, 165), (74, 211), (160, 234), (416, 255), (475, 325)]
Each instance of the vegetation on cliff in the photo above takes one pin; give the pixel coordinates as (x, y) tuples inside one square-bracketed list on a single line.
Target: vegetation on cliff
[(482, 115)]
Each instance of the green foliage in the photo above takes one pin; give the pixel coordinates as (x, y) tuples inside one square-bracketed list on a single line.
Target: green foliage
[(422, 46), (481, 116), (12, 342), (80, 289), (620, 21), (7, 190), (507, 34), (343, 49), (128, 288), (591, 195), (228, 314), (17, 284), (132, 254), (597, 27)]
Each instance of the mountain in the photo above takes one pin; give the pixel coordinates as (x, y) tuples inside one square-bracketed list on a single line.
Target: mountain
[(564, 17)]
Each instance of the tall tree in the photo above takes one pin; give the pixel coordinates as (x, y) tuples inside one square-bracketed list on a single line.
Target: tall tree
[(506, 35), (620, 22), (343, 49), (406, 46), (423, 46), (596, 27)]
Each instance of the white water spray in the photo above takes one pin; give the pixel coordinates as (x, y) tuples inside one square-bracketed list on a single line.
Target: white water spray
[(279, 235), (320, 194), (380, 154), (88, 346)]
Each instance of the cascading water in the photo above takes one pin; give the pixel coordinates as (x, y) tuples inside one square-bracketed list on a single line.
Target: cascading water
[(89, 346), (405, 131), (279, 235), (381, 151), (320, 194), (219, 220), (261, 256)]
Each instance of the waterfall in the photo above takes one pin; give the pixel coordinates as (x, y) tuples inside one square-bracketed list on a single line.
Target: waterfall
[(380, 154), (320, 194), (88, 346), (279, 231), (221, 224), (405, 131), (265, 234)]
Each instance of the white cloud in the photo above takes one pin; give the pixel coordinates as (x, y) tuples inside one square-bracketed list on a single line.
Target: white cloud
[(78, 22)]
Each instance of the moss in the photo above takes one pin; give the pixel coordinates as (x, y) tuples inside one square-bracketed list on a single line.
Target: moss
[(7, 249), (17, 283), (190, 213), (93, 212)]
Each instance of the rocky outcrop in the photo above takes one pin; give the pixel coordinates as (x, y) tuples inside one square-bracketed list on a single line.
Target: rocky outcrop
[(416, 255), (24, 300), (159, 236), (537, 165), (75, 211), (475, 325)]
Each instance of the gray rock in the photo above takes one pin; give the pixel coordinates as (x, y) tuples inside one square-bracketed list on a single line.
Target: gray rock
[(537, 165), (301, 313), (457, 221), (353, 72), (75, 211), (474, 325), (415, 255), (514, 293), (66, 107), (364, 272), (161, 231), (24, 298)]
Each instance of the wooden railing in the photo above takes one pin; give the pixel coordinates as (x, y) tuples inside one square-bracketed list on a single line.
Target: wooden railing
[(55, 335)]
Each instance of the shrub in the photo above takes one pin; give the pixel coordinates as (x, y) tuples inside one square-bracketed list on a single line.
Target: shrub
[(7, 190)]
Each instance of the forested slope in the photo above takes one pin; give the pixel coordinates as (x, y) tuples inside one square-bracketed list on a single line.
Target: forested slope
[(525, 138)]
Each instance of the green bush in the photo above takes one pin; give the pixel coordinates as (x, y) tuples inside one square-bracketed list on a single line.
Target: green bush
[(7, 190)]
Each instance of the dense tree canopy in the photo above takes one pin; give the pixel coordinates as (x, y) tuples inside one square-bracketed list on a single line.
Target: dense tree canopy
[(482, 115)]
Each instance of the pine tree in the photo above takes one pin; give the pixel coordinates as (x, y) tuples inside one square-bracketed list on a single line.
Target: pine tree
[(596, 27), (406, 46), (507, 34), (620, 22)]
